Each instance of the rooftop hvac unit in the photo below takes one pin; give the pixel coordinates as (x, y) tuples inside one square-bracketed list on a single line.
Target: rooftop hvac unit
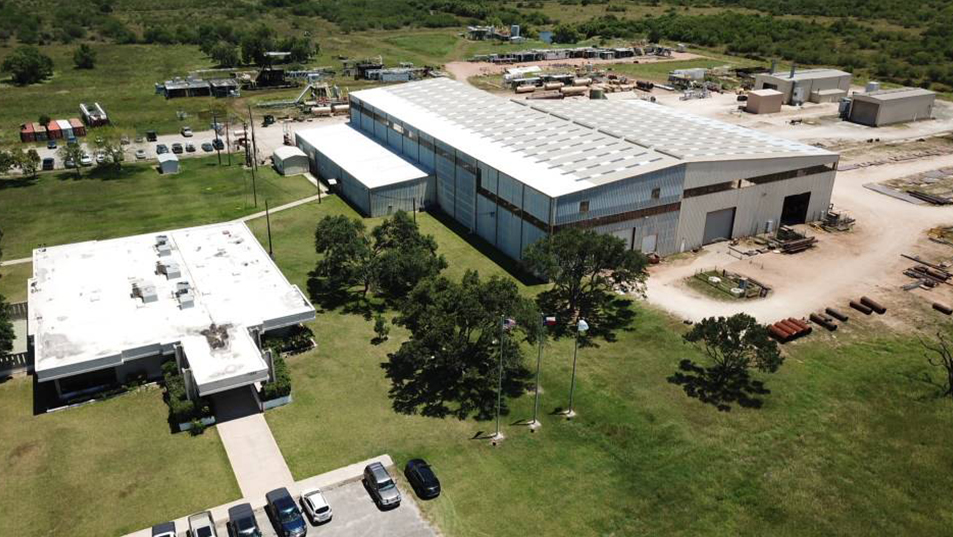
[(146, 292), (186, 300), (182, 288), (171, 270), (163, 246)]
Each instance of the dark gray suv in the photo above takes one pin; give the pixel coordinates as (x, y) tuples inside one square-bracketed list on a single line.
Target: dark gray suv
[(380, 486)]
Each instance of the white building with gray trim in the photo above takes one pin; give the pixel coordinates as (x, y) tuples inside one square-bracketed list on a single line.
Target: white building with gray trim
[(513, 171), (103, 312)]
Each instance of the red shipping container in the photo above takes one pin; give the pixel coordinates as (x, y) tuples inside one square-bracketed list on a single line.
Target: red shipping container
[(26, 133), (78, 128), (54, 131)]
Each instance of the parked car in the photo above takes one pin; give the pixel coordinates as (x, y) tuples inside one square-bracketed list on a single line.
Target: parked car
[(422, 479), (315, 506), (162, 148), (177, 148), (48, 163), (242, 522), (51, 144), (151, 136), (187, 132), (284, 514), (202, 525), (166, 529), (380, 486), (207, 147), (140, 154), (69, 163), (100, 157), (85, 160), (218, 144), (190, 147)]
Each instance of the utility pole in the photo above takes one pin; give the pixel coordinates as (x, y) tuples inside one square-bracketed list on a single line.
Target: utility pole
[(499, 386), (271, 252), (254, 186), (228, 141), (415, 209), (581, 328), (254, 145)]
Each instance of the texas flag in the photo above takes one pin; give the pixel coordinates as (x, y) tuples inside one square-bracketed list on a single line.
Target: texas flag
[(549, 321)]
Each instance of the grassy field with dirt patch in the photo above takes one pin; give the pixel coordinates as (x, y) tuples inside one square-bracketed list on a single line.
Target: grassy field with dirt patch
[(849, 441), (58, 208)]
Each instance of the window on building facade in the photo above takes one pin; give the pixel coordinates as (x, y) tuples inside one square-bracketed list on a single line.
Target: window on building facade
[(656, 193), (584, 206)]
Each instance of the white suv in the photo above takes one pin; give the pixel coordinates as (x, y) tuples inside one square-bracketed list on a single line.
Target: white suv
[(201, 525), (316, 506)]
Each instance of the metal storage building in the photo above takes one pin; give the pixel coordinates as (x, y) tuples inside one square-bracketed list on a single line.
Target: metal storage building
[(374, 179), (814, 85), (289, 160), (886, 107), (168, 163), (65, 128), (663, 180)]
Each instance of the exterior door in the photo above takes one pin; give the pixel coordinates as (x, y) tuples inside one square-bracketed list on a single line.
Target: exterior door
[(718, 225), (649, 244)]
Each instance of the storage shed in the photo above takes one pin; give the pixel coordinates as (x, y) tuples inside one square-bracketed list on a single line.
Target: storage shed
[(886, 107), (371, 177), (39, 132), (53, 131), (78, 128), (764, 101), (65, 128), (289, 160), (168, 163), (26, 133)]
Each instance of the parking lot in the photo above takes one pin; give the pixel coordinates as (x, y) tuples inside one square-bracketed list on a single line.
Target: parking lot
[(355, 515)]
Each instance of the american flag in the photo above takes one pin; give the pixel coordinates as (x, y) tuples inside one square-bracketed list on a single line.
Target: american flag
[(509, 324)]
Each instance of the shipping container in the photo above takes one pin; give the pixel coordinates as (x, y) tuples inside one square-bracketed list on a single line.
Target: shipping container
[(66, 128), (26, 133), (78, 128), (39, 133), (54, 131)]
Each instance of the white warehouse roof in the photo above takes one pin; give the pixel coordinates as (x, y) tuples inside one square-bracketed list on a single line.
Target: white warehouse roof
[(84, 314), (559, 147), (808, 74), (893, 94), (367, 161)]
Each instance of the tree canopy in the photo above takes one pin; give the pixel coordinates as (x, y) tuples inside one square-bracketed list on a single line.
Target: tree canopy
[(84, 57), (734, 345), (27, 65), (6, 327), (450, 364), (586, 268)]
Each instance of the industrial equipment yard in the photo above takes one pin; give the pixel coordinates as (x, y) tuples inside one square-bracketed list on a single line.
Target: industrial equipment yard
[(476, 268)]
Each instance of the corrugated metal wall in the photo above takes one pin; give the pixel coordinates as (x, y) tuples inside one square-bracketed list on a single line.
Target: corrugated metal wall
[(621, 196), (756, 206), (663, 226), (908, 109), (699, 174)]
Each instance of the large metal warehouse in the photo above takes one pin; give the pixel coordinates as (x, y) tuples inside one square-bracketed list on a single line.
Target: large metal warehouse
[(886, 107), (368, 175), (665, 181), (814, 85)]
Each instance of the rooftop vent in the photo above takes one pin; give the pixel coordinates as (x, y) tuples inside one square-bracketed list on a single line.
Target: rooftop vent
[(147, 292), (182, 288), (170, 269), (186, 300), (162, 245)]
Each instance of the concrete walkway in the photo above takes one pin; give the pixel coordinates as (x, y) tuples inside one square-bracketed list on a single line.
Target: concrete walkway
[(252, 451), (326, 480)]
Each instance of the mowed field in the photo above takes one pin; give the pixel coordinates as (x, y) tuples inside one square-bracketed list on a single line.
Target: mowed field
[(58, 208), (851, 441)]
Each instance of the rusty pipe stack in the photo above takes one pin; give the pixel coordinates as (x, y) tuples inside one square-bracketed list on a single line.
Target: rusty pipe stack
[(789, 329)]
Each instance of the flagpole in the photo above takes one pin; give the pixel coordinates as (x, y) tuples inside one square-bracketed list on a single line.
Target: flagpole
[(499, 388), (539, 360)]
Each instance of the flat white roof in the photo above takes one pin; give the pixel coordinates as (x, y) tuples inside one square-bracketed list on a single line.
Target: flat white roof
[(560, 147), (287, 151), (765, 92), (84, 315), (807, 74), (167, 157), (894, 94), (366, 160)]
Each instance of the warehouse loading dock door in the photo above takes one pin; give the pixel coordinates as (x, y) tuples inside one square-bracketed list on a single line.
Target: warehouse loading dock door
[(794, 210), (718, 225)]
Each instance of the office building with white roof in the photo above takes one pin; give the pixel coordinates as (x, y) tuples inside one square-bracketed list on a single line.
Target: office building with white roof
[(513, 171)]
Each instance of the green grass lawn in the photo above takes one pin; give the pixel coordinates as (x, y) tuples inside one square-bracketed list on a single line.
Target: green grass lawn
[(107, 468), (847, 443), (13, 281), (58, 208)]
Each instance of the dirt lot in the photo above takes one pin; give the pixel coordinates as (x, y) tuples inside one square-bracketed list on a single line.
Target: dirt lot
[(844, 266)]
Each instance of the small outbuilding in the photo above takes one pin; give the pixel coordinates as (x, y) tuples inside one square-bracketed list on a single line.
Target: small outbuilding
[(289, 160), (168, 163), (886, 107), (814, 85), (764, 101)]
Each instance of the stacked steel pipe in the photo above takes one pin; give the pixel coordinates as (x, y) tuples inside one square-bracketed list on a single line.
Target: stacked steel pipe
[(872, 304), (823, 320), (789, 329)]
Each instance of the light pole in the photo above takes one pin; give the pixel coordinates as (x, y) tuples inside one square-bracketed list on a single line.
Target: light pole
[(581, 327), (533, 425), (499, 386)]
